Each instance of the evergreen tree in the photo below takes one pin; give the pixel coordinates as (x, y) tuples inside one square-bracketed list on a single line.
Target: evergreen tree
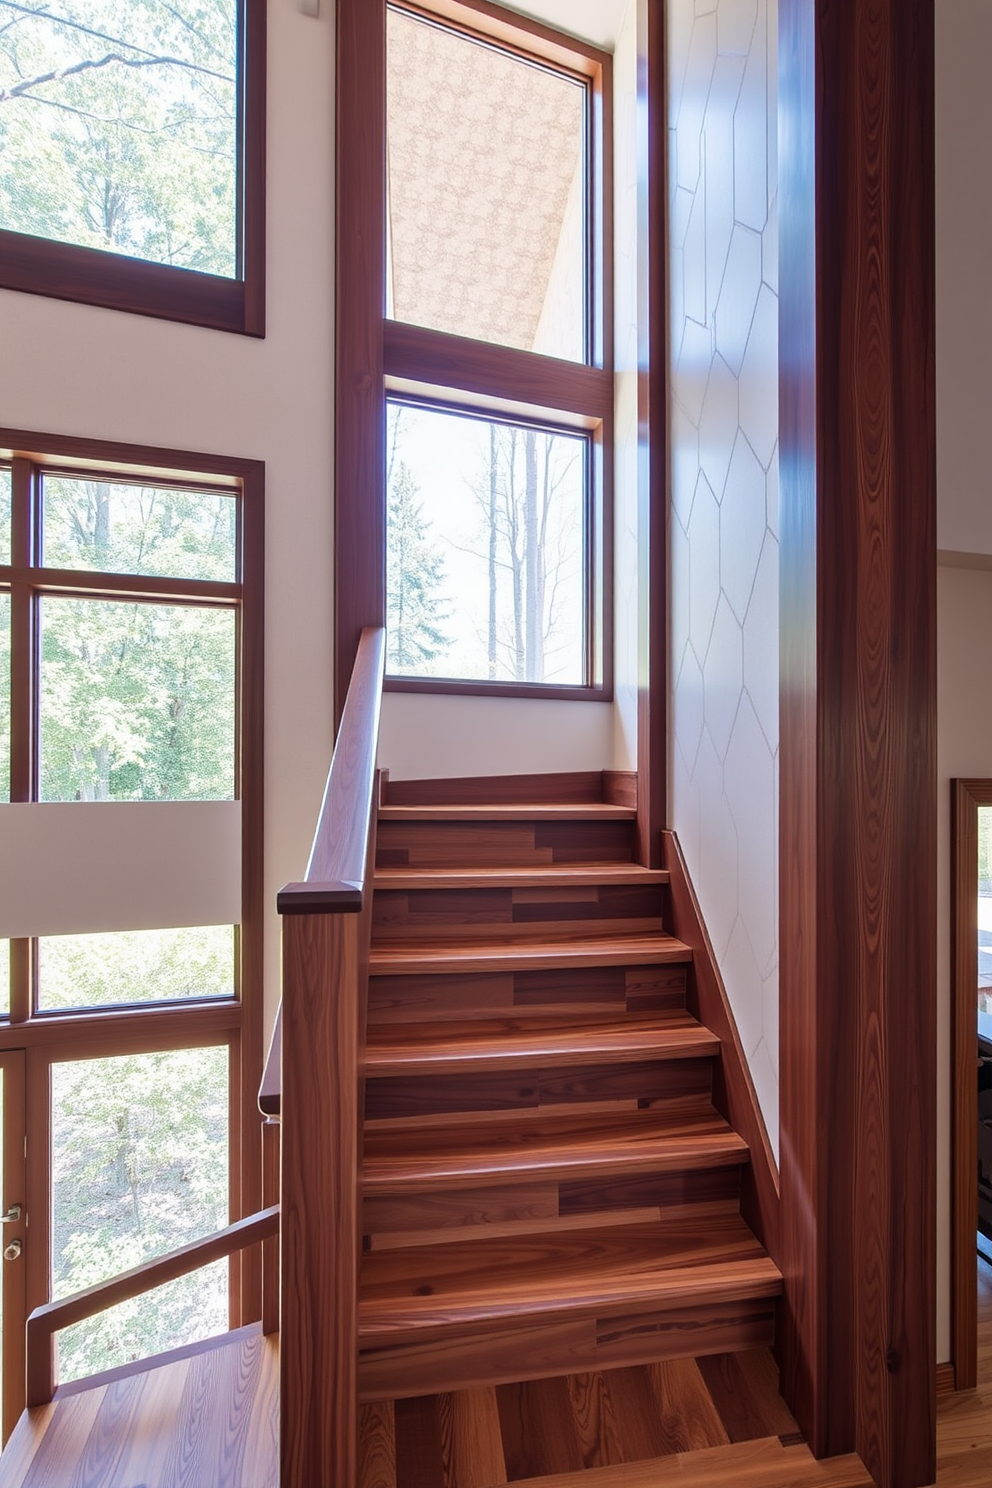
[(414, 575)]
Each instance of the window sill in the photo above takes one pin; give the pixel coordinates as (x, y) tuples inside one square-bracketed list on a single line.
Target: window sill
[(92, 276), (448, 687)]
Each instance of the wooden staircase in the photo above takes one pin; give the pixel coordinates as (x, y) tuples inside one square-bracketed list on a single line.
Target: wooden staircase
[(548, 1182)]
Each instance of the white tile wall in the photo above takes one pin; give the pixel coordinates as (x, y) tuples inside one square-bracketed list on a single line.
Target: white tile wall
[(724, 539)]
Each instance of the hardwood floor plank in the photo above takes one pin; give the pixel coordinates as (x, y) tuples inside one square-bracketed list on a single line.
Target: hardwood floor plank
[(744, 1388), (377, 1445), (46, 1450), (599, 1436), (635, 1411), (538, 1429), (471, 1440), (634, 950), (689, 1419), (419, 1463)]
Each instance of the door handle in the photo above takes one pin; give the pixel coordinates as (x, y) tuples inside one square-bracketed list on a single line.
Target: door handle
[(12, 1216)]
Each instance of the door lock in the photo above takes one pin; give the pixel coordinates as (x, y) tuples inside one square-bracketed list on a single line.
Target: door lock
[(12, 1251)]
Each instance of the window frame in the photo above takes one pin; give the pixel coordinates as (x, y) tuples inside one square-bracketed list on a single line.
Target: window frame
[(376, 355), (115, 281), (60, 1035)]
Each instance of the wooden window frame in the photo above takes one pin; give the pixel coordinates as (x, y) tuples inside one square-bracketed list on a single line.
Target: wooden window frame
[(114, 281), (375, 354), (55, 1036)]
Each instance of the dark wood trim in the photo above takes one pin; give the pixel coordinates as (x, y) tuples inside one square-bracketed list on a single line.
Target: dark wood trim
[(449, 365), (734, 1092), (966, 798), (335, 877), (620, 788), (858, 739), (946, 1383), (85, 583), (128, 1030), (582, 787), (135, 460), (359, 460), (48, 1320), (652, 436), (157, 1361), (14, 1191), (93, 276)]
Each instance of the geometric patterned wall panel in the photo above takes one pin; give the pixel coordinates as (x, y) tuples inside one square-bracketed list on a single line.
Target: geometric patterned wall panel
[(724, 525)]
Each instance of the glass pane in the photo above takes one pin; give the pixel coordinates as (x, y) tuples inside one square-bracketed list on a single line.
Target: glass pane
[(134, 966), (119, 128), (139, 1166), (4, 697), (5, 504), (4, 981), (139, 529), (137, 701), (485, 549), (487, 192), (985, 921)]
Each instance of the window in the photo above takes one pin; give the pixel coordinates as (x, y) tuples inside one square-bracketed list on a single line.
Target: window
[(475, 412), (130, 645), (131, 138)]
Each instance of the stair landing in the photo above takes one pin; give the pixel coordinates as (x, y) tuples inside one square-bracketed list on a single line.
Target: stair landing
[(204, 1417)]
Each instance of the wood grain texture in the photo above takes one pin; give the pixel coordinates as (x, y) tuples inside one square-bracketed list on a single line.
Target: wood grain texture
[(631, 950), (967, 796), (321, 1092), (508, 837), (858, 762), (591, 990), (210, 1417), (576, 786)]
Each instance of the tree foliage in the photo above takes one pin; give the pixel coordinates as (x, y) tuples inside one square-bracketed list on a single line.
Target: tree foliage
[(118, 126), (415, 606), (139, 1157)]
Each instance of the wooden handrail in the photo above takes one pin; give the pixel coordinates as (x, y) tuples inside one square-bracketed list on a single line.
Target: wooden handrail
[(313, 1081), (46, 1321), (335, 876)]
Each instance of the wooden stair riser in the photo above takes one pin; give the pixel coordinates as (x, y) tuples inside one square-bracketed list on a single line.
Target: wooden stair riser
[(645, 1085), (449, 1216), (601, 990), (516, 914), (455, 844), (541, 1349)]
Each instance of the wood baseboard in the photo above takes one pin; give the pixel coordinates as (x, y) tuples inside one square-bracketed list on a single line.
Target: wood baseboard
[(946, 1380)]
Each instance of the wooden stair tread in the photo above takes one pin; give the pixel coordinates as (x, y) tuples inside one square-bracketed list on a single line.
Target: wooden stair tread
[(554, 876), (399, 1049), (764, 1462), (397, 959), (571, 1147), (602, 1271), (517, 811)]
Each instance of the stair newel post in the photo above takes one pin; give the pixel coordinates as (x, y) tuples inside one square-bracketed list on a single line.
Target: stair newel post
[(326, 922), (320, 1250)]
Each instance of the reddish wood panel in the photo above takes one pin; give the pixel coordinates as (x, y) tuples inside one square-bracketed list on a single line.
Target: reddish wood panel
[(510, 790), (451, 844), (414, 999), (858, 755)]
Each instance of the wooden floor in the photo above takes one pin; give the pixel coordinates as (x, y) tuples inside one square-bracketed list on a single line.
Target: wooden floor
[(964, 1422), (210, 1419), (691, 1422)]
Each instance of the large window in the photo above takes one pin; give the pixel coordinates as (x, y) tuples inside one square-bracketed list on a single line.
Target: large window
[(130, 747), (474, 480), (132, 171)]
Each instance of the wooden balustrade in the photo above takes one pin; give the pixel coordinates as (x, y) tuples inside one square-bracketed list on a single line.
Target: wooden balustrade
[(317, 1096), (45, 1322)]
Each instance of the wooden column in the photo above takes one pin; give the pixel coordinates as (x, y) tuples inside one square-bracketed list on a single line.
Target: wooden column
[(858, 745)]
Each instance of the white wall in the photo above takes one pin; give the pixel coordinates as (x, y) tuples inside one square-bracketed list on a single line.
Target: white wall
[(71, 369), (724, 522)]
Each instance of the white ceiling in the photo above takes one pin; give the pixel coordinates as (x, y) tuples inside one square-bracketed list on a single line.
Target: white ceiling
[(597, 21)]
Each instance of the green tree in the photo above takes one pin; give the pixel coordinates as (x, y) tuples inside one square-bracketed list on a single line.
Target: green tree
[(414, 571), (118, 126)]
